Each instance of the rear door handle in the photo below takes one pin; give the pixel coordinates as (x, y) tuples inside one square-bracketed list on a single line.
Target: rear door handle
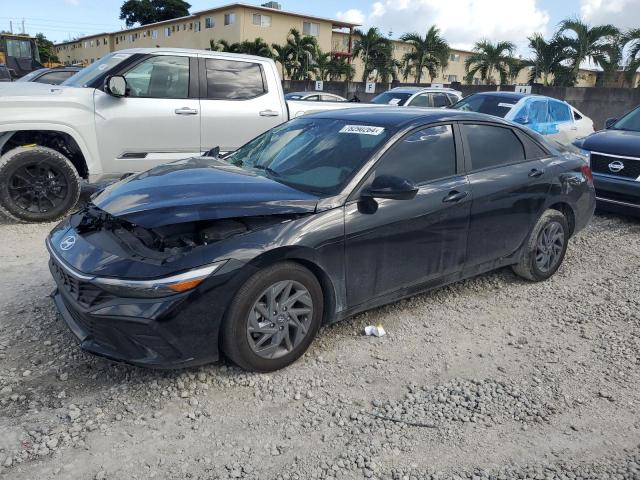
[(455, 196), (535, 173), (186, 111), (269, 113)]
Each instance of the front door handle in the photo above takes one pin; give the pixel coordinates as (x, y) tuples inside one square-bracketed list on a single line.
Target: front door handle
[(535, 173), (186, 111), (269, 113), (455, 196)]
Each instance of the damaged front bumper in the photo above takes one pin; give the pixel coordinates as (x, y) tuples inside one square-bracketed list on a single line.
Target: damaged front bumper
[(166, 332)]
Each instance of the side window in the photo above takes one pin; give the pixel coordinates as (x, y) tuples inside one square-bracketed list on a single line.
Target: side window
[(559, 112), (440, 100), (452, 98), (54, 78), (313, 98), (422, 156), (233, 80), (491, 146), (330, 98), (576, 115), (420, 101), (159, 77)]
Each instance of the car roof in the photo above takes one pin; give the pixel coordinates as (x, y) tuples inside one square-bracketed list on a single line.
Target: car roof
[(400, 117), (311, 92), (423, 89), (192, 51)]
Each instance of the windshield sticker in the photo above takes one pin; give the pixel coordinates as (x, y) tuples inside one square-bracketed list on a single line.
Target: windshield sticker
[(121, 55), (394, 101), (362, 129), (505, 105)]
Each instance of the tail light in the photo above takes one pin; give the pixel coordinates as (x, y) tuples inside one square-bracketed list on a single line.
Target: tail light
[(587, 173)]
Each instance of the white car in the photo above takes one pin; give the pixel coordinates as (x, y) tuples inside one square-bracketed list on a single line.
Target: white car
[(314, 97), (548, 116), (435, 97), (130, 111)]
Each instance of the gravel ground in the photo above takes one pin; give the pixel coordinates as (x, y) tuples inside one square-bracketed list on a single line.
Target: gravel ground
[(488, 378)]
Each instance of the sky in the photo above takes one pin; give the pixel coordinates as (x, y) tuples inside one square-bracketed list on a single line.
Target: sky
[(462, 22)]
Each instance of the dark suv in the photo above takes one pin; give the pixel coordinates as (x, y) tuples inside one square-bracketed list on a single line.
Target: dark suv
[(615, 160)]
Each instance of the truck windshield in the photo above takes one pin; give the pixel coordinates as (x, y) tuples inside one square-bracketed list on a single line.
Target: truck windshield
[(318, 156), (87, 75)]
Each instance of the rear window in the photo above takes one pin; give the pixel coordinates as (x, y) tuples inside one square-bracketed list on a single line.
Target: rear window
[(232, 80), (491, 146), (497, 105), (391, 98)]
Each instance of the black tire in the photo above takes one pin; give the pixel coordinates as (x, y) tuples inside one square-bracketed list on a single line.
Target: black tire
[(37, 184), (534, 253), (235, 329)]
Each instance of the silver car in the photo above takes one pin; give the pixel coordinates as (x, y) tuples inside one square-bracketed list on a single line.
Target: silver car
[(315, 97), (435, 97)]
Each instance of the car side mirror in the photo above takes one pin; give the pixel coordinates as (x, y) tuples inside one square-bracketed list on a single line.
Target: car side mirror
[(608, 123), (116, 86), (390, 187)]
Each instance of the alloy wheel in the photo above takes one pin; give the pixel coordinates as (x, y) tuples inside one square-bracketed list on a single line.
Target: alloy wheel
[(280, 319), (37, 187), (549, 247)]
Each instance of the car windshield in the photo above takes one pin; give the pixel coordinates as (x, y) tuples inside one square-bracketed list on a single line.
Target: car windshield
[(315, 155), (391, 98), (631, 121), (497, 105), (86, 75)]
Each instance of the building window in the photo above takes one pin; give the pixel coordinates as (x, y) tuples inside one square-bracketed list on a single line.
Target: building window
[(229, 18), (452, 78), (167, 32), (154, 34), (190, 25), (209, 22), (196, 26), (104, 41), (454, 57), (130, 38), (262, 20), (86, 44), (310, 28)]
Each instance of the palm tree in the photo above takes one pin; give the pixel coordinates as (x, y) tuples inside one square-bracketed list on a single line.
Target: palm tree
[(282, 55), (548, 58), (322, 64), (597, 44), (339, 67), (303, 49), (372, 47), (256, 47), (430, 52), (221, 46), (488, 58), (631, 40)]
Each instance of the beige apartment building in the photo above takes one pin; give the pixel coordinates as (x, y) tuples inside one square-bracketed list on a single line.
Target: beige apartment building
[(237, 22)]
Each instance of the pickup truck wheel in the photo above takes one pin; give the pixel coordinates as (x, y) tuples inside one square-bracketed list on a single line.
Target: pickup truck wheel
[(37, 184), (545, 248), (273, 318)]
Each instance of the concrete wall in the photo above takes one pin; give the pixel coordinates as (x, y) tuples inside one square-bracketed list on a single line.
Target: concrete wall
[(596, 103)]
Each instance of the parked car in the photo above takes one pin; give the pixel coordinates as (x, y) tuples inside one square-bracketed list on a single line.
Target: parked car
[(315, 97), (418, 97), (5, 74), (130, 111), (614, 155), (51, 76), (548, 116), (311, 222)]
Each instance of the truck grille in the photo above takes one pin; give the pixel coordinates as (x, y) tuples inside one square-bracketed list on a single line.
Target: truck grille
[(600, 163), (85, 293)]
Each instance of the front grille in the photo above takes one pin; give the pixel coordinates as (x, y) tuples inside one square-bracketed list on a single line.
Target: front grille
[(85, 293), (600, 164)]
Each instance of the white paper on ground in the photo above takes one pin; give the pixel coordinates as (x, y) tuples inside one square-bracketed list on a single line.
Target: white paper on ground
[(375, 331)]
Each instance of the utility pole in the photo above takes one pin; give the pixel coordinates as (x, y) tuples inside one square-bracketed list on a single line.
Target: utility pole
[(11, 26), (23, 32)]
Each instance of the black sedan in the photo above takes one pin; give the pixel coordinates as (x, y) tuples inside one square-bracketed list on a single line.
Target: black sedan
[(615, 159), (315, 220)]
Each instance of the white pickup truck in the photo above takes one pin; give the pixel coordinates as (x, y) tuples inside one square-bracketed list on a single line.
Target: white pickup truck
[(126, 113)]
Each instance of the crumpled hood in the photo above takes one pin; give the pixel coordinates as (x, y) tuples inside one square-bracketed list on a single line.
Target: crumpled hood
[(196, 189), (615, 142)]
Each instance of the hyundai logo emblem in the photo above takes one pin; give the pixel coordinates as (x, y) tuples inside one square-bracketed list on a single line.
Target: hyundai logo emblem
[(68, 242), (616, 166)]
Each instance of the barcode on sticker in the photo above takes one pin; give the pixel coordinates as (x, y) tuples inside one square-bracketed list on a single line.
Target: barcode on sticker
[(362, 129)]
